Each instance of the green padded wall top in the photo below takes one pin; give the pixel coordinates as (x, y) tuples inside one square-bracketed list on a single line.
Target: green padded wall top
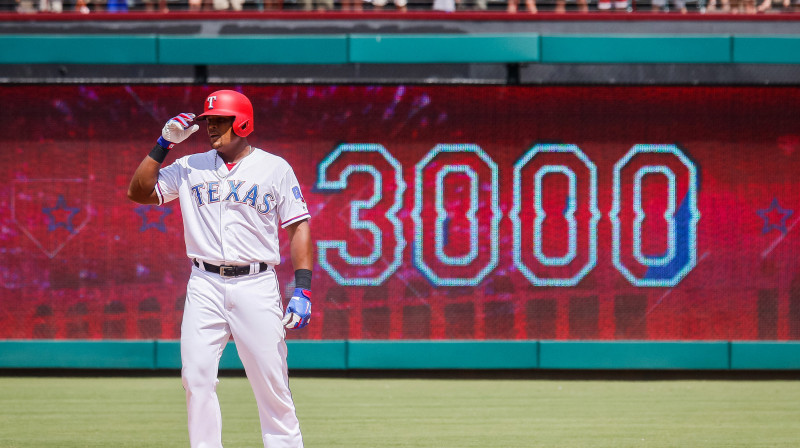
[(633, 355), (76, 49), (442, 355), (766, 49), (399, 355), (444, 48), (400, 49), (328, 49), (639, 48)]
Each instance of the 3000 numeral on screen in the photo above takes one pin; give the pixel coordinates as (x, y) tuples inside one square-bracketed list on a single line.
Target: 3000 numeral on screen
[(445, 265)]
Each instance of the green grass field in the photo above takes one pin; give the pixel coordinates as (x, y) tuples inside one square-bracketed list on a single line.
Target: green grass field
[(374, 413)]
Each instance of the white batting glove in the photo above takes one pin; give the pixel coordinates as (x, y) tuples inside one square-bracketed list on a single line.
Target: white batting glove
[(177, 129)]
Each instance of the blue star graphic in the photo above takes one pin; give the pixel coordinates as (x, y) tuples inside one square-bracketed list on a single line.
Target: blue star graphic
[(144, 210), (61, 204), (773, 209)]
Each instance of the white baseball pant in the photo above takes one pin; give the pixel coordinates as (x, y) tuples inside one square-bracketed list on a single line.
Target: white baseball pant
[(249, 308)]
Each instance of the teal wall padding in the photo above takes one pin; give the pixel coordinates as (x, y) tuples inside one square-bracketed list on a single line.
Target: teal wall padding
[(78, 49), (399, 48), (316, 355), (328, 49), (396, 355), (78, 354), (230, 358), (766, 49), (327, 355), (444, 48), (633, 355), (765, 355), (168, 356), (641, 48), (442, 355)]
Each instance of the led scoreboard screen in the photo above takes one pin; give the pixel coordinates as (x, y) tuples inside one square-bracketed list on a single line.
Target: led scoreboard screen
[(438, 212)]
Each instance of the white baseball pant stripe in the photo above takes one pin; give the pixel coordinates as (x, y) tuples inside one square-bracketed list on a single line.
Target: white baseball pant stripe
[(250, 309)]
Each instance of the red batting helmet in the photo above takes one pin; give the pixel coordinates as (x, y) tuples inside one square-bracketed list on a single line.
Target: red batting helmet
[(231, 104)]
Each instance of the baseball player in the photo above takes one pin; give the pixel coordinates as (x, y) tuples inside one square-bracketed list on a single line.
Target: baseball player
[(233, 199)]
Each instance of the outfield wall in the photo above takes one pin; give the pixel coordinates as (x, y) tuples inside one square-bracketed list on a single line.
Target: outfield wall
[(422, 355), (381, 48), (675, 249), (401, 49)]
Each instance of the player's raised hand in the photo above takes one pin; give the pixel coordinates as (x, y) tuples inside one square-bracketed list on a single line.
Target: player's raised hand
[(178, 129), (298, 312)]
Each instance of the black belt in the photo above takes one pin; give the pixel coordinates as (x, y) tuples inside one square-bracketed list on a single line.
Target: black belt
[(230, 271)]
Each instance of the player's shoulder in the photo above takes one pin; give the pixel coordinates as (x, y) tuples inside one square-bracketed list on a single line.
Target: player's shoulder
[(197, 160), (273, 160)]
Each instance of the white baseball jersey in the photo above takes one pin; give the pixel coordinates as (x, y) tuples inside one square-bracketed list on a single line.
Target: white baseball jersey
[(232, 217)]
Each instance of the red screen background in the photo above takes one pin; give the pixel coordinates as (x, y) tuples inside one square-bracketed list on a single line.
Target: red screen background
[(80, 261)]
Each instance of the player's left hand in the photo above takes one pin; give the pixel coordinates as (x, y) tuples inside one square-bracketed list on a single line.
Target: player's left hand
[(298, 312)]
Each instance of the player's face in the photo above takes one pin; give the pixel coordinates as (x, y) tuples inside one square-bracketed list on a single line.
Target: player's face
[(220, 131)]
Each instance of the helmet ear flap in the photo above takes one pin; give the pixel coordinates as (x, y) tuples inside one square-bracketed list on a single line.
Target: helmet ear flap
[(242, 129)]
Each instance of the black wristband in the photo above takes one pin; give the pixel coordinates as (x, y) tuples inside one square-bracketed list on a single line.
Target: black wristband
[(302, 278), (159, 153)]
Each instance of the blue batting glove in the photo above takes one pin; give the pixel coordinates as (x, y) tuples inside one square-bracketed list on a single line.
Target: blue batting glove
[(298, 312)]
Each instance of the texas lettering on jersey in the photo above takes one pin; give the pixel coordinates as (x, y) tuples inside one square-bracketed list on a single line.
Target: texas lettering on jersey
[(210, 192)]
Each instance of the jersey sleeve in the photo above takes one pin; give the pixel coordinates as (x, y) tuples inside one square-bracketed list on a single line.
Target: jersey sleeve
[(292, 206), (169, 180)]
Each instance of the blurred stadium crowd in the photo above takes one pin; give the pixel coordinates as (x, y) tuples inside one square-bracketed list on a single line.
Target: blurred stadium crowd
[(510, 6)]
